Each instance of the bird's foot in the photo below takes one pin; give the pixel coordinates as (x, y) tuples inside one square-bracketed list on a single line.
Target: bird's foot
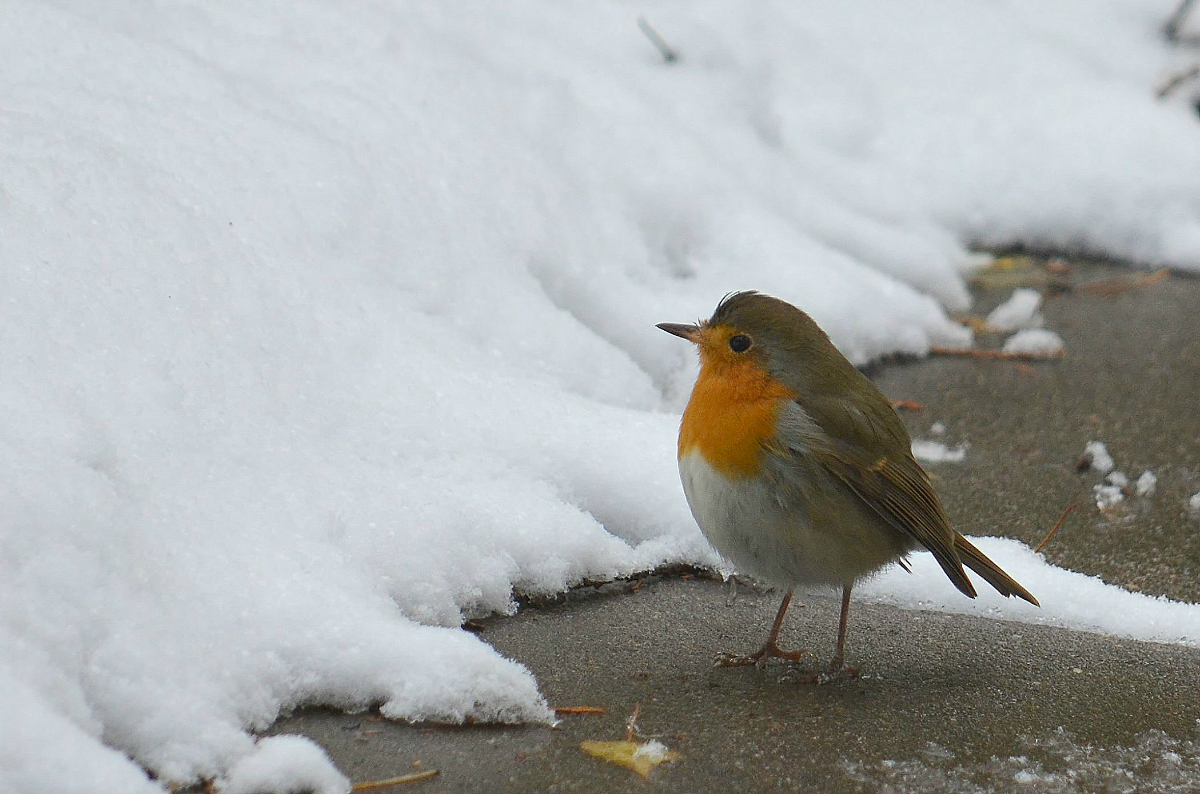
[(759, 658)]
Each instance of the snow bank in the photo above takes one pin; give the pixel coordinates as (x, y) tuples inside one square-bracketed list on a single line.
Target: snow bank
[(1068, 599), (328, 324)]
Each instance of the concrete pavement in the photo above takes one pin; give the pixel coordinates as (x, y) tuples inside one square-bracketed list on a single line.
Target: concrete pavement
[(946, 703)]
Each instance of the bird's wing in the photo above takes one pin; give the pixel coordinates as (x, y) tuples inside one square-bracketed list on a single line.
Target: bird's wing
[(898, 491), (873, 459)]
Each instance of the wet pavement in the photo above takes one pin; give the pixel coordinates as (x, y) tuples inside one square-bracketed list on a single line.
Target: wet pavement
[(946, 703)]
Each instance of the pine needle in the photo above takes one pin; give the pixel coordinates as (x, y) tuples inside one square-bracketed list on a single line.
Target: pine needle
[(1054, 530), (579, 710), (370, 785)]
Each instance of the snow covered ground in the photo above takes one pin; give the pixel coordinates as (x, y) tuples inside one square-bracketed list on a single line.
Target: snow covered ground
[(326, 324)]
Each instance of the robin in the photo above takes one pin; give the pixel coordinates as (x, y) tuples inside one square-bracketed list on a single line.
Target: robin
[(798, 469)]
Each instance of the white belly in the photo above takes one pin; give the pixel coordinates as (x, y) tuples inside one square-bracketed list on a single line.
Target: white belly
[(754, 527)]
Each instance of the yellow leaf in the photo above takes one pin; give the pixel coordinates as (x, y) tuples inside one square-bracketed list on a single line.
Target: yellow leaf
[(641, 757)]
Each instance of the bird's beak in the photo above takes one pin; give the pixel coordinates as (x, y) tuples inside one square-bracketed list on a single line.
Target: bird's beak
[(688, 332)]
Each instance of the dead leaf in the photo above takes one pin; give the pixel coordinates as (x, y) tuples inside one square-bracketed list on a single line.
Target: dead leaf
[(1007, 272), (975, 322), (641, 757)]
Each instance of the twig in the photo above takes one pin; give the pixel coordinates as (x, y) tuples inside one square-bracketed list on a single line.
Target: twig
[(1176, 80), (1054, 529), (668, 52), (394, 781), (907, 405), (1176, 20), (1116, 286), (631, 730), (1003, 355), (579, 710)]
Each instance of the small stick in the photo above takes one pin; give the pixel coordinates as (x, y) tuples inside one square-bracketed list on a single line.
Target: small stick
[(631, 725), (668, 52), (394, 781), (1177, 80), (1175, 22), (1054, 530), (1116, 286), (907, 405), (1011, 355), (579, 710)]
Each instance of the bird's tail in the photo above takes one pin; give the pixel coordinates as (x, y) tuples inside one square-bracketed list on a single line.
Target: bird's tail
[(978, 562)]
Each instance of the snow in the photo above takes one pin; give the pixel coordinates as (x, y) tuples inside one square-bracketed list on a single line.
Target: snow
[(1020, 311), (1099, 459), (1068, 599), (1146, 484), (1034, 340), (1107, 495), (1194, 503), (937, 452), (285, 765), (1111, 492), (653, 751), (327, 325)]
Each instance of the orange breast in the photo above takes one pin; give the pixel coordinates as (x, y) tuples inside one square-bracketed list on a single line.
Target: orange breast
[(733, 409)]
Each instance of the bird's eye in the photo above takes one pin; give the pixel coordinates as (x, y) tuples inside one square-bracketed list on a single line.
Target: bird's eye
[(739, 343)]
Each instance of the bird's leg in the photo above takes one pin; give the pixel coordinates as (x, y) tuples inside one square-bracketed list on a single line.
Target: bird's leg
[(839, 660), (769, 650), (838, 668)]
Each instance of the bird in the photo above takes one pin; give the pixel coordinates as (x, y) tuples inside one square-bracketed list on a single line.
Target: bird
[(799, 471)]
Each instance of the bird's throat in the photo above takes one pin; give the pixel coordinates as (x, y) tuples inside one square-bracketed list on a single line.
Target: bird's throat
[(732, 413)]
